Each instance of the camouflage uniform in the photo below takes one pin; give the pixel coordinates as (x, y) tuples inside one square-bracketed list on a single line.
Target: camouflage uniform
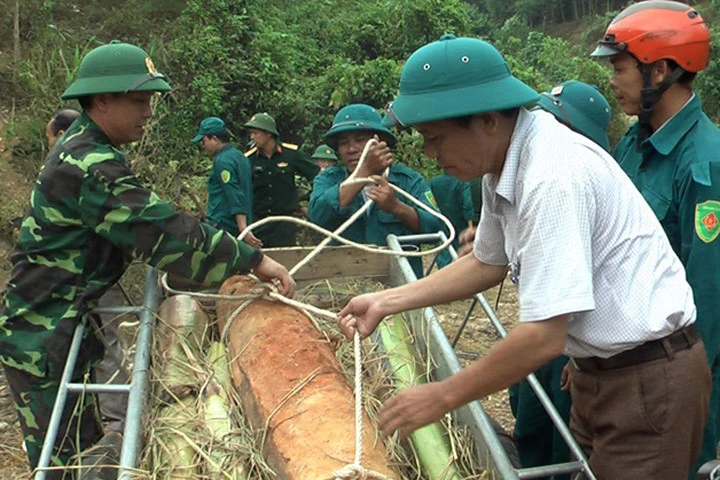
[(89, 218)]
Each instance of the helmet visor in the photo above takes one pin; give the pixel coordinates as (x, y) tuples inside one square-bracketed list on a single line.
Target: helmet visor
[(608, 49)]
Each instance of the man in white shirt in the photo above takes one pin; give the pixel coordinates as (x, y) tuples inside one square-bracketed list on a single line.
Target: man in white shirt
[(596, 276)]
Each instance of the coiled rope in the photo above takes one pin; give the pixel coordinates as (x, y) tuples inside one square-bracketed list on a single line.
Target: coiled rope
[(355, 470)]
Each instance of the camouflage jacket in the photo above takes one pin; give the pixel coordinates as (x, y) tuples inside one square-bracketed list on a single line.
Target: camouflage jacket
[(89, 217)]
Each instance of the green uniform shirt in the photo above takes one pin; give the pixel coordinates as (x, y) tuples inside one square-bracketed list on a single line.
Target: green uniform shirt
[(678, 173), (89, 217), (375, 225), (454, 200), (229, 189), (274, 189)]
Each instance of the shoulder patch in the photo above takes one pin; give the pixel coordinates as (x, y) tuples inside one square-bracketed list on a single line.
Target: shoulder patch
[(707, 220), (431, 198), (291, 146), (225, 176), (250, 152)]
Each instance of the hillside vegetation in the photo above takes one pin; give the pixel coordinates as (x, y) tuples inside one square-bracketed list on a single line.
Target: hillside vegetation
[(299, 61)]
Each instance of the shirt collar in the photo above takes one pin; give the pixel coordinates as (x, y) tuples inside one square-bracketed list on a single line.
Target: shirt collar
[(227, 146), (278, 150), (666, 138), (506, 183)]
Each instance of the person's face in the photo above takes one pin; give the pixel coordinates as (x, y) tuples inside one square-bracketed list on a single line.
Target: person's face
[(51, 137), (323, 163), (626, 82), (261, 138), (350, 147), (125, 116), (210, 144), (466, 151)]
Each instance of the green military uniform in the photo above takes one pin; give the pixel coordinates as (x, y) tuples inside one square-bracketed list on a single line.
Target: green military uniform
[(678, 173), (229, 189), (89, 217), (375, 225), (476, 195), (275, 192), (455, 202)]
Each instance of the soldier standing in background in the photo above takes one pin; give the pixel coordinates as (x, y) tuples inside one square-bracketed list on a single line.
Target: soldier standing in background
[(229, 183), (656, 48), (275, 165)]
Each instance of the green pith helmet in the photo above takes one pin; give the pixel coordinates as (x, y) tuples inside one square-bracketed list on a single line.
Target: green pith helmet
[(324, 152), (582, 107), (454, 77), (116, 68), (358, 117), (210, 126), (263, 121)]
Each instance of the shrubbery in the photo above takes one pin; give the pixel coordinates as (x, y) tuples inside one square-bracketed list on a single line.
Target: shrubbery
[(299, 61)]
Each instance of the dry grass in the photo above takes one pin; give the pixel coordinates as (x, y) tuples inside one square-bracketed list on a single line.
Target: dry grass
[(172, 417)]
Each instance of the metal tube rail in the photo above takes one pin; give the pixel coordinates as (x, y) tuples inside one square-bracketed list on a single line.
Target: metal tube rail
[(136, 389), (473, 415), (97, 388), (581, 464), (139, 380), (59, 406)]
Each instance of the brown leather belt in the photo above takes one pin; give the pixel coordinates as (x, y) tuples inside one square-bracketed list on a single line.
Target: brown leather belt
[(647, 352)]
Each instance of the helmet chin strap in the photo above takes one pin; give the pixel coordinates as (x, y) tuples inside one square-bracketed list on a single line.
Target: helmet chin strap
[(649, 97)]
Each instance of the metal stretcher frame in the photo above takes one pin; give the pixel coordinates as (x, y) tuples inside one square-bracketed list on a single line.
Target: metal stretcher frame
[(709, 471), (431, 340), (434, 345), (136, 389)]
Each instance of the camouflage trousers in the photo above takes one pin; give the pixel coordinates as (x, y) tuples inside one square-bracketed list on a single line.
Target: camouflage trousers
[(34, 397)]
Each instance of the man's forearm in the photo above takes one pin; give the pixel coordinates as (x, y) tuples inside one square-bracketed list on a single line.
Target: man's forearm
[(528, 347), (241, 221), (459, 280), (347, 193), (408, 216)]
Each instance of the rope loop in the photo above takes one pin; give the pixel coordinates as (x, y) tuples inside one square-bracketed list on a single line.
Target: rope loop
[(269, 291)]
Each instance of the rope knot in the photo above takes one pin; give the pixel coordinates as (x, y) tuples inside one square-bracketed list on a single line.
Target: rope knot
[(353, 471)]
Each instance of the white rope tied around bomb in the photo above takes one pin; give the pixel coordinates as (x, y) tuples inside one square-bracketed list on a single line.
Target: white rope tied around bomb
[(355, 470)]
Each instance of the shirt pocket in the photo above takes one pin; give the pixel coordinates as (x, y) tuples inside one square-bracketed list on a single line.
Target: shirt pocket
[(660, 204)]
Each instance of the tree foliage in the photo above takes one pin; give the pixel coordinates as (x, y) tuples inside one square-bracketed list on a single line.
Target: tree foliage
[(299, 61)]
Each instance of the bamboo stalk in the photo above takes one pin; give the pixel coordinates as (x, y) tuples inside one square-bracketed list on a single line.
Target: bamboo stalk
[(176, 460), (218, 423), (433, 452)]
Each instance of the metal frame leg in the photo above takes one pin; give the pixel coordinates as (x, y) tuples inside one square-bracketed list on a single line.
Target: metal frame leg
[(137, 389), (446, 360)]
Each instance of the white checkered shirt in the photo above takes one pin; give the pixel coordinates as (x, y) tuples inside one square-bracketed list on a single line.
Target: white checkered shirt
[(580, 240)]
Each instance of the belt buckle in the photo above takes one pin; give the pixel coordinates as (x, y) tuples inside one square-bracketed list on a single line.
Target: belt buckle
[(577, 367)]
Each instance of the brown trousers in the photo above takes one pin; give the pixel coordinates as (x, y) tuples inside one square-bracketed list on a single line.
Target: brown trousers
[(643, 421)]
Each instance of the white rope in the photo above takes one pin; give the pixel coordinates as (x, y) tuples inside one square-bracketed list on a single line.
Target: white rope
[(354, 471), (351, 180)]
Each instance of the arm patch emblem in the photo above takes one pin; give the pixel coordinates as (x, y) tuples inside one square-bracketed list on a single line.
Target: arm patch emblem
[(707, 220)]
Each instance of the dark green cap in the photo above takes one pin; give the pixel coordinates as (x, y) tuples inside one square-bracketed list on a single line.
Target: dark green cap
[(116, 68), (454, 77), (263, 121), (324, 152), (581, 107), (210, 126), (358, 117)]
